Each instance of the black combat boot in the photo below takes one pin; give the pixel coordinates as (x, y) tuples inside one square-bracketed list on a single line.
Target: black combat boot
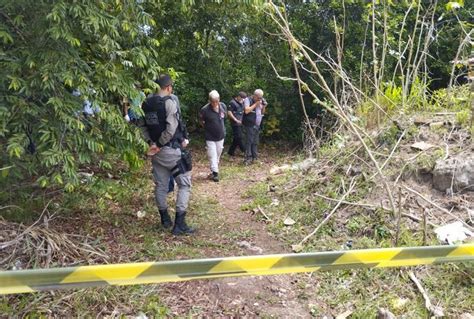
[(165, 218), (215, 176), (248, 161), (180, 226)]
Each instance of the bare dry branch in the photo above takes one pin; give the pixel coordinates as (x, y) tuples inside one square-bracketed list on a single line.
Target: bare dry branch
[(324, 221), (439, 207), (437, 312)]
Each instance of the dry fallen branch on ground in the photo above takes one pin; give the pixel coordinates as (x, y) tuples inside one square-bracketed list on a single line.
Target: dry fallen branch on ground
[(324, 221), (391, 154), (434, 310), (407, 162), (39, 246), (263, 213), (438, 207), (15, 240), (399, 217), (11, 206), (374, 207)]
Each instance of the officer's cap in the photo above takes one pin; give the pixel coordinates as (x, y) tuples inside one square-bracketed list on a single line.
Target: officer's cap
[(164, 80), (242, 94)]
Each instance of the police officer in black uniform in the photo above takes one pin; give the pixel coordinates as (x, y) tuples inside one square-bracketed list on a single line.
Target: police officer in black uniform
[(235, 113)]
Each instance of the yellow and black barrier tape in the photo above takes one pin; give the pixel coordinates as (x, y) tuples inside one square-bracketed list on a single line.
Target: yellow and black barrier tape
[(21, 281)]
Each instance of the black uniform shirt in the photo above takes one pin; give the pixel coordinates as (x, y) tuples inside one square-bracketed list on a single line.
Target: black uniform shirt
[(237, 110)]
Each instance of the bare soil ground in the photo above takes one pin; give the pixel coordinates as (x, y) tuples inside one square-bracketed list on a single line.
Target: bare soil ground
[(272, 296)]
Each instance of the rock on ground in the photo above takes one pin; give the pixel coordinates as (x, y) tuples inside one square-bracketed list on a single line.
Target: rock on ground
[(385, 314), (457, 172)]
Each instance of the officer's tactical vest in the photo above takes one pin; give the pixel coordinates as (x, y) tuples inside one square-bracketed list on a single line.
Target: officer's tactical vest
[(155, 118), (238, 110), (250, 119)]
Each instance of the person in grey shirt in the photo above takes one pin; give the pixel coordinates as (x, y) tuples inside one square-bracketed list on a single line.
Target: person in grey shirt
[(254, 110), (166, 136)]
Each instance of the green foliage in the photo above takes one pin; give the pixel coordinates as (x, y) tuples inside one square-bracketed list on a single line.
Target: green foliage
[(427, 162), (51, 49), (453, 5), (454, 99), (389, 136), (463, 117), (104, 48), (404, 83), (156, 308)]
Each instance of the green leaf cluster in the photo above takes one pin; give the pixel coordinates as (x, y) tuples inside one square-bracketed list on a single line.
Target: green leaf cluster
[(49, 49)]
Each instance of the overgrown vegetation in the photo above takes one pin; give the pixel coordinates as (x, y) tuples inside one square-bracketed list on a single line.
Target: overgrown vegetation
[(355, 82), (364, 220), (108, 219), (104, 50)]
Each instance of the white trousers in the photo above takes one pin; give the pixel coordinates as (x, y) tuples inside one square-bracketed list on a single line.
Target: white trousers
[(214, 151)]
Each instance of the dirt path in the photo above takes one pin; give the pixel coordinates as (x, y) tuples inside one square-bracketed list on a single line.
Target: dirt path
[(271, 296)]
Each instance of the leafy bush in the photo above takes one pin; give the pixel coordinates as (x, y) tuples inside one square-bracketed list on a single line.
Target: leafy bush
[(55, 57)]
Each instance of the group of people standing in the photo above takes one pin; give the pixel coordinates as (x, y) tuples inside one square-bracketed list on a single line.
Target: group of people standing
[(245, 114), (167, 137)]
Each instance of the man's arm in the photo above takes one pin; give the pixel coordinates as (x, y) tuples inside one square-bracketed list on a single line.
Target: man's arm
[(125, 106), (144, 129), (201, 116), (232, 117), (250, 108), (224, 108), (171, 122), (230, 111), (264, 106), (183, 125), (184, 128), (176, 99)]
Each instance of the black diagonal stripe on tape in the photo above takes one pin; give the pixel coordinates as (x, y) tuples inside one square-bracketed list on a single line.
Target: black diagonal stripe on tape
[(347, 266), (463, 258), (34, 277), (183, 268), (424, 252), (308, 260), (217, 274), (99, 283)]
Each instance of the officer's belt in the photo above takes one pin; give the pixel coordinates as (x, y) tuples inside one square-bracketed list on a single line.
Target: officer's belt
[(173, 144)]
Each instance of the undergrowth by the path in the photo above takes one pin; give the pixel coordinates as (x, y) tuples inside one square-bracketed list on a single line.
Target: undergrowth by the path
[(308, 196), (114, 215)]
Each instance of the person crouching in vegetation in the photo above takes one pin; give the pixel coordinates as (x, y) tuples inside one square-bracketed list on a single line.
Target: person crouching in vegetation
[(212, 117)]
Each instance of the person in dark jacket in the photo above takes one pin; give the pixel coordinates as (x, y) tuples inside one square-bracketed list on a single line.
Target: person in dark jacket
[(235, 113)]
